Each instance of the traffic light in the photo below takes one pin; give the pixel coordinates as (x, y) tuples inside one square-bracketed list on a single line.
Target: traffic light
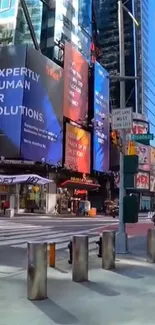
[(114, 137)]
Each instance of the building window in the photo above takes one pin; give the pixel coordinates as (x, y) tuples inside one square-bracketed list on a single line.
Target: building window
[(5, 5)]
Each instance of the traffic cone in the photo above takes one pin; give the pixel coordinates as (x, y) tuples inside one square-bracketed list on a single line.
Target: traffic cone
[(131, 149)]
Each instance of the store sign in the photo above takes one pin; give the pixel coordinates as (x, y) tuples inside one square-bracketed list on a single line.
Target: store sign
[(82, 180), (28, 179), (15, 162), (142, 181)]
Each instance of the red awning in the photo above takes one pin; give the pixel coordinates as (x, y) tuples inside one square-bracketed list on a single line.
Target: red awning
[(79, 185)]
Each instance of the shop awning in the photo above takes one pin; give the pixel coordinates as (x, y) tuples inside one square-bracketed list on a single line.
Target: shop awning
[(25, 178), (79, 185)]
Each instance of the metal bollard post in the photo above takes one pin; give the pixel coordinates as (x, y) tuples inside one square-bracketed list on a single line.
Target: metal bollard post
[(37, 271), (70, 247), (108, 251), (151, 245), (80, 258), (52, 255)]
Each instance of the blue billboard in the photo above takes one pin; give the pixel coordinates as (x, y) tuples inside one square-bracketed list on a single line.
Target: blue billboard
[(85, 15), (32, 99), (101, 119)]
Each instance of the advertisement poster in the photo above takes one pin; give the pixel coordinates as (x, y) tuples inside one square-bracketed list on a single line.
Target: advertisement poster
[(152, 181), (77, 150), (152, 156), (143, 153), (30, 108), (142, 181), (41, 132), (75, 85), (12, 84), (101, 119)]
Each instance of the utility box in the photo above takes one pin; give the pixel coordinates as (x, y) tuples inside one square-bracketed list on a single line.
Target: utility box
[(130, 209), (130, 164)]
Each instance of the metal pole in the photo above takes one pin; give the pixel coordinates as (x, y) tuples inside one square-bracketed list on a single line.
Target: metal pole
[(121, 238), (37, 271), (80, 258)]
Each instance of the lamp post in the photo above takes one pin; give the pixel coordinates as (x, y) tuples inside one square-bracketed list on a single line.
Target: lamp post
[(121, 238)]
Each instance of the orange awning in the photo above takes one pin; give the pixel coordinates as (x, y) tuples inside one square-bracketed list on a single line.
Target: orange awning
[(79, 185)]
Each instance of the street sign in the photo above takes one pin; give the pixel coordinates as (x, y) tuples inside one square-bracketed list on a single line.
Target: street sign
[(122, 118), (143, 136)]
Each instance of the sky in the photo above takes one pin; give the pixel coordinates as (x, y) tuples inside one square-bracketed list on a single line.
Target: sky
[(151, 72)]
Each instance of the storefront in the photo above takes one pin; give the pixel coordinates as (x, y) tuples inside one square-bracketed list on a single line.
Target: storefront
[(72, 195), (24, 192)]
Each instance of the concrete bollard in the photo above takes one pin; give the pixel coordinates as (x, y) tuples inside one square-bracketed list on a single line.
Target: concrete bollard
[(80, 258), (151, 245), (37, 271), (108, 250)]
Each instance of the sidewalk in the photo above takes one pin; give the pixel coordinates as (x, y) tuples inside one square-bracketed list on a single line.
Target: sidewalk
[(121, 297)]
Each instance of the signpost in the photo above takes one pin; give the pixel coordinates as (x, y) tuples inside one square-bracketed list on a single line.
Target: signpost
[(143, 136), (122, 119)]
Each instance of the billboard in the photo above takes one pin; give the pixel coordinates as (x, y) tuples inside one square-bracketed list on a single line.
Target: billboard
[(142, 181), (143, 153), (31, 111), (75, 85), (12, 63), (101, 119), (152, 156), (77, 149), (85, 15)]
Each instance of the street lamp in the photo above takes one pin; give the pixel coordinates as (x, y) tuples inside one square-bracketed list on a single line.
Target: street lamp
[(121, 238)]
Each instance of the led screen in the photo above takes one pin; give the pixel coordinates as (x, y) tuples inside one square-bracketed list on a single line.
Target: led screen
[(77, 150), (101, 119), (31, 95), (75, 85)]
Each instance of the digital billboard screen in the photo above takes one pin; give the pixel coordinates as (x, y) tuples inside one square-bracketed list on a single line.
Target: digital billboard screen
[(12, 84), (77, 149), (31, 92), (101, 119), (75, 84), (41, 131)]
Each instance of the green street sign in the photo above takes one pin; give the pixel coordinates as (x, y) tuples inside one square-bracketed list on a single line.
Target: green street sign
[(138, 137)]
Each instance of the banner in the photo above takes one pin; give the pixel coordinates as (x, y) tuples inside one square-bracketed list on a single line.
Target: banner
[(75, 85), (77, 149), (29, 179), (101, 119), (30, 108), (142, 181)]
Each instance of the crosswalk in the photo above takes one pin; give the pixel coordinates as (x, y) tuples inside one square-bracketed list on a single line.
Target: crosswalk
[(17, 235)]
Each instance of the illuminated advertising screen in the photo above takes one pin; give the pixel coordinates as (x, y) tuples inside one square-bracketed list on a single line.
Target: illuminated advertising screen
[(31, 109), (75, 85), (77, 149), (101, 119), (12, 61)]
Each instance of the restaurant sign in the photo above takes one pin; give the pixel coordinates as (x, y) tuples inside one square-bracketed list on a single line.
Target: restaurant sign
[(84, 180)]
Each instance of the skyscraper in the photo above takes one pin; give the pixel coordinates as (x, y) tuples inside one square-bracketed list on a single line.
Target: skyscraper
[(136, 49)]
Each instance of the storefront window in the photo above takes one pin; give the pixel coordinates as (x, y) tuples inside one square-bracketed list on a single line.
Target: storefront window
[(32, 197)]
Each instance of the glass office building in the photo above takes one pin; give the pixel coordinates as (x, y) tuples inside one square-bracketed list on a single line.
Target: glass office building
[(138, 43), (13, 26)]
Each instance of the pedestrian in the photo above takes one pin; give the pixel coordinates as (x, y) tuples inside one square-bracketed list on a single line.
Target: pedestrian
[(153, 219)]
